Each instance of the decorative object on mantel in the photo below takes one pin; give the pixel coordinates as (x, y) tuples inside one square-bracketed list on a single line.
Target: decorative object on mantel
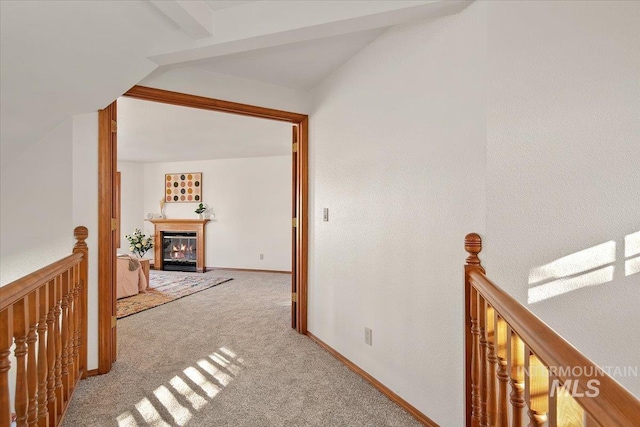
[(183, 187), (200, 210), (162, 202), (139, 243)]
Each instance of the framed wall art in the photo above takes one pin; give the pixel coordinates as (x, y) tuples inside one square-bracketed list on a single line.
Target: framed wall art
[(183, 187)]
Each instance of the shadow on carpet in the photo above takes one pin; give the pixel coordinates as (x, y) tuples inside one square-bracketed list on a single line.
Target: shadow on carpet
[(164, 288)]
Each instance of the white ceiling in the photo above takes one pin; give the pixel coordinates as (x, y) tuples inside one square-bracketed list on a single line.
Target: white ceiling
[(298, 66), (59, 59), (217, 5), (150, 132)]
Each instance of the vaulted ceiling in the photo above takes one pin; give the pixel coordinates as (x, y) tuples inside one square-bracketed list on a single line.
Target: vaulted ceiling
[(59, 59), (150, 132)]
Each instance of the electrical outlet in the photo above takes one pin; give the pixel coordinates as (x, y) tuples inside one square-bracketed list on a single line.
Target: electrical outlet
[(368, 336), (325, 214), (261, 256)]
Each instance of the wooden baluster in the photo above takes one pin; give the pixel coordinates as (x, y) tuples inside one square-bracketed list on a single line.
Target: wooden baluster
[(483, 352), (65, 336), (58, 339), (553, 404), (536, 389), (473, 246), (492, 360), (563, 408), (52, 405), (6, 333), (43, 308), (77, 319), (475, 361), (503, 375), (71, 333), (20, 322), (32, 369), (81, 233), (516, 364)]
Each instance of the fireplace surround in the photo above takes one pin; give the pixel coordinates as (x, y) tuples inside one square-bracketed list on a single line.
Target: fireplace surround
[(170, 235), (179, 250)]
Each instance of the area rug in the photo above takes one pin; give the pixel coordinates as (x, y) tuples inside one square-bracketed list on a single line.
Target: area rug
[(165, 287)]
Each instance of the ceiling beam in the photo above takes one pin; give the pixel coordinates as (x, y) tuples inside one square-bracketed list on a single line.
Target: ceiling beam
[(260, 25), (194, 17)]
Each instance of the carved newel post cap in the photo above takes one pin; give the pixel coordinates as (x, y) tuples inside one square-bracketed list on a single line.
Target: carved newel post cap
[(81, 233), (473, 246)]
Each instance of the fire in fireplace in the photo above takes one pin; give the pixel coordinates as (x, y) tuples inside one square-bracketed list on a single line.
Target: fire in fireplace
[(179, 251)]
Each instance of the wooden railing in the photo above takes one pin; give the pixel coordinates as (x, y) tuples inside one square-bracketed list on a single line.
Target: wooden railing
[(43, 316), (520, 372)]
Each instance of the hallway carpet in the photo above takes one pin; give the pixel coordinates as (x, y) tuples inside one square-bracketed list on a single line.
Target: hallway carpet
[(227, 356)]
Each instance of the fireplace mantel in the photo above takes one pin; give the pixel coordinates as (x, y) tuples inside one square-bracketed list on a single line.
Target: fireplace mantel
[(186, 225)]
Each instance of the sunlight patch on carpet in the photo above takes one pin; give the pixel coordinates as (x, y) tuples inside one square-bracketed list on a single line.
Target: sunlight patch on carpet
[(209, 380)]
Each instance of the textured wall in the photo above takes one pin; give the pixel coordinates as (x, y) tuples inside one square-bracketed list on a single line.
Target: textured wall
[(132, 212), (563, 168), (36, 208), (397, 152), (85, 212)]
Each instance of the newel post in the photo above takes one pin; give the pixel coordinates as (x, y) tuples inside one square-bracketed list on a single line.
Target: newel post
[(81, 233), (473, 246)]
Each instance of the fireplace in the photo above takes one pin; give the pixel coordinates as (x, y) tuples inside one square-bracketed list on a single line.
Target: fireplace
[(179, 244), (179, 251)]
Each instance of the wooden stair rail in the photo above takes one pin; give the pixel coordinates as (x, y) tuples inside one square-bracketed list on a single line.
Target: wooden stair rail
[(550, 382), (45, 315)]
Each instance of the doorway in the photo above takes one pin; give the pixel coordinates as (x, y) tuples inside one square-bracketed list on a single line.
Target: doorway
[(107, 222)]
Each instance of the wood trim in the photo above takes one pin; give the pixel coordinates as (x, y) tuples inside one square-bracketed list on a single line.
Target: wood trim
[(294, 228), (377, 384), (81, 234), (473, 245), (20, 288), (204, 103), (117, 207), (92, 372), (248, 269), (106, 170), (614, 405), (302, 248)]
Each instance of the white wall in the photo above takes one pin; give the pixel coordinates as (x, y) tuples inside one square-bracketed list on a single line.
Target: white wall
[(397, 154), (251, 198), (35, 213), (132, 213), (85, 212), (563, 171)]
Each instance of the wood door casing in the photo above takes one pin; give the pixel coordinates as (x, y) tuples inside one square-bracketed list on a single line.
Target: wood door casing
[(106, 182), (294, 234), (107, 156)]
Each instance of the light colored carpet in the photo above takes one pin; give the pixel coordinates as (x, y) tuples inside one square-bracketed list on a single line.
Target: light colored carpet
[(167, 286), (227, 357)]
